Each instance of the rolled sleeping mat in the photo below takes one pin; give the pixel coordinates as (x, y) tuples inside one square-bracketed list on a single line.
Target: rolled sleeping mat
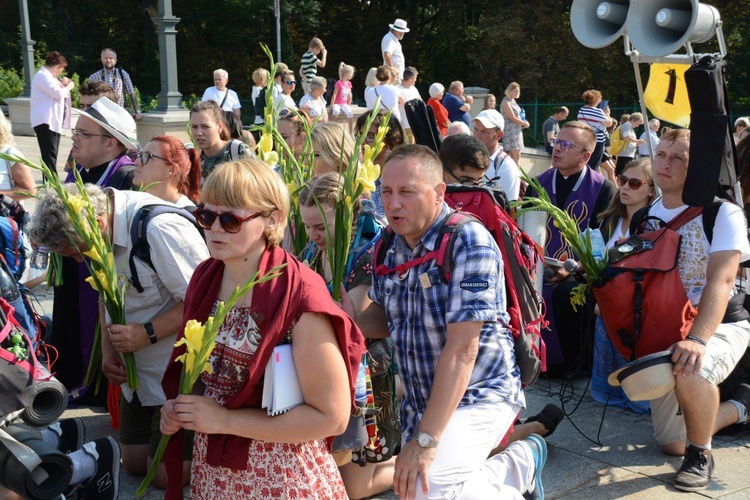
[(47, 480), (49, 399)]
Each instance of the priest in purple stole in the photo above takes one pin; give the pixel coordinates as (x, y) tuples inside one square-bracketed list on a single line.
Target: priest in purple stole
[(583, 193)]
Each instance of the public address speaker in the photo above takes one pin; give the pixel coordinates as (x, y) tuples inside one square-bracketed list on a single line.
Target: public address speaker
[(660, 27), (597, 24), (656, 28)]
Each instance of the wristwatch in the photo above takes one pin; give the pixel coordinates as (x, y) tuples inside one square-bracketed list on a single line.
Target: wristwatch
[(150, 332), (425, 440)]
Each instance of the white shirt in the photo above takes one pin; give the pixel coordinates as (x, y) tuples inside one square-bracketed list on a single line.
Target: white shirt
[(214, 94), (507, 173), (408, 93), (388, 98), (729, 233), (283, 101), (47, 100), (176, 250), (643, 148), (392, 45)]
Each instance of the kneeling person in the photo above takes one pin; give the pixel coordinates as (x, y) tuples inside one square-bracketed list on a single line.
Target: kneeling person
[(154, 315)]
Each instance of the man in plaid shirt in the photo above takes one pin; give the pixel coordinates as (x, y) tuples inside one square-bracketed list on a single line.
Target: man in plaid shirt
[(118, 79), (462, 389)]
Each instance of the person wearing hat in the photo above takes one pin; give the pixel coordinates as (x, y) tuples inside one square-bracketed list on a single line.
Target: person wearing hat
[(390, 46), (103, 134), (503, 171)]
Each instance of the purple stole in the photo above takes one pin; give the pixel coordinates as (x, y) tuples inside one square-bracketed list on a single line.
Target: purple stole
[(579, 206), (88, 298)]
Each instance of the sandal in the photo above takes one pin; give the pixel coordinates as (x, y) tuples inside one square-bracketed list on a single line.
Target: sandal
[(549, 417)]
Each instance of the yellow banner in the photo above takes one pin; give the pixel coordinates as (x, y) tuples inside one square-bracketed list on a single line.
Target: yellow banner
[(666, 94)]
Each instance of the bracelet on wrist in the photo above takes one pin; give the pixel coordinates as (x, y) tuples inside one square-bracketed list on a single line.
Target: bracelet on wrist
[(697, 339)]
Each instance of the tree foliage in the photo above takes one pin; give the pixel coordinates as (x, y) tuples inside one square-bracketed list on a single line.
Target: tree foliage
[(481, 42)]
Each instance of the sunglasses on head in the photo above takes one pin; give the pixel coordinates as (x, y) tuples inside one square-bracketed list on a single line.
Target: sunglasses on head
[(632, 183), (227, 220)]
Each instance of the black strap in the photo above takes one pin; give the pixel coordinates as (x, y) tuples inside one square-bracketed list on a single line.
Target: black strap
[(138, 237), (226, 94)]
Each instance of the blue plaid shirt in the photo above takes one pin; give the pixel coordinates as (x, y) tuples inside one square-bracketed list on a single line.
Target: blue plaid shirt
[(419, 308)]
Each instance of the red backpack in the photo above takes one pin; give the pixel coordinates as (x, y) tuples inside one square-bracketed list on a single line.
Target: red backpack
[(520, 257)]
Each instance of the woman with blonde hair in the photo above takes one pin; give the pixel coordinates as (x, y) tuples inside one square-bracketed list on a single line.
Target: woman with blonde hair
[(389, 96), (515, 122), (238, 446), (16, 179), (333, 146)]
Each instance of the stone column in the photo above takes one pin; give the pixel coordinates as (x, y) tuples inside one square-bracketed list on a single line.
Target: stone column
[(27, 47), (170, 116)]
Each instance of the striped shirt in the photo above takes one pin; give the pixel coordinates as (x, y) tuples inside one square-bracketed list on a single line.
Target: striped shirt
[(594, 117), (420, 307), (115, 79), (309, 65)]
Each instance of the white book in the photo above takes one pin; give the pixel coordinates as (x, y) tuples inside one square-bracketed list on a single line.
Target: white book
[(281, 390)]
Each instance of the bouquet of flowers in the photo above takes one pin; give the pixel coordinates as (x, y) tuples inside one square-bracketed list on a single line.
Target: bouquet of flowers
[(199, 341), (100, 259), (357, 176)]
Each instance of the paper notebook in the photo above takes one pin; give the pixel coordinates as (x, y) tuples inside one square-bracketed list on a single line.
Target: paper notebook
[(281, 390)]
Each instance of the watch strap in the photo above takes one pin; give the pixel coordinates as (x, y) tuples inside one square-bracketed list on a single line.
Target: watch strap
[(150, 332)]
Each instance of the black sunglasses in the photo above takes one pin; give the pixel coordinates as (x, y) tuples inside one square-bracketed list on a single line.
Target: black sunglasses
[(227, 220), (632, 183)]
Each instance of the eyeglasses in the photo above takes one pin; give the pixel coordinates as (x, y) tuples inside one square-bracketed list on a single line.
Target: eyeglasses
[(228, 221), (565, 145), (291, 82), (145, 156), (632, 183), (76, 132), (466, 181)]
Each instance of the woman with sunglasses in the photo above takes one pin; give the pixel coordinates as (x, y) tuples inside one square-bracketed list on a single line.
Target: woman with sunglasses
[(368, 471), (170, 171), (636, 191), (210, 134), (283, 100), (238, 448)]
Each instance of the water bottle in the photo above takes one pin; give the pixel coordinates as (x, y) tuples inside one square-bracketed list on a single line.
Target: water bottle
[(360, 388), (523, 114), (598, 249), (39, 258)]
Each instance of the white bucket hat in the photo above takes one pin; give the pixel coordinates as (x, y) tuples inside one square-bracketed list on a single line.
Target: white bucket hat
[(114, 119), (647, 378), (399, 25)]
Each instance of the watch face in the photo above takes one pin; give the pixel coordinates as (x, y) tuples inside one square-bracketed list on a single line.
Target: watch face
[(424, 439)]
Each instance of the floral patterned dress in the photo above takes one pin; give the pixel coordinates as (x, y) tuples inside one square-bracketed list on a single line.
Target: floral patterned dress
[(274, 470)]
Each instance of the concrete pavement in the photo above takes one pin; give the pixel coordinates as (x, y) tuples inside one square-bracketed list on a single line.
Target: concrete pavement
[(626, 463)]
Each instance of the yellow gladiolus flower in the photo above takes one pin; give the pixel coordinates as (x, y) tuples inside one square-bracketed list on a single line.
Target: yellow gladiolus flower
[(93, 254), (369, 153), (265, 144), (271, 158), (382, 130), (193, 338), (364, 180), (77, 203), (103, 280)]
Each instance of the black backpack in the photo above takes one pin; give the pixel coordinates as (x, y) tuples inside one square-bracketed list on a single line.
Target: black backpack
[(141, 248)]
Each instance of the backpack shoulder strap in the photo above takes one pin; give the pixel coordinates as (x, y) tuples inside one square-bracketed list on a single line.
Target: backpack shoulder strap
[(638, 217), (449, 230), (139, 240), (709, 218)]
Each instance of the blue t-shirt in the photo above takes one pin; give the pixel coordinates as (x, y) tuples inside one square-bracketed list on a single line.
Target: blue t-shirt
[(453, 103)]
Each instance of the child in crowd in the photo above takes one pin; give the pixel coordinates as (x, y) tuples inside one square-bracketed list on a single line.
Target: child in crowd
[(313, 102), (310, 62), (342, 95), (260, 78)]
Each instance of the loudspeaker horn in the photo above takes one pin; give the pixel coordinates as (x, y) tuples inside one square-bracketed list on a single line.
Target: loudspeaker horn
[(660, 27), (597, 24)]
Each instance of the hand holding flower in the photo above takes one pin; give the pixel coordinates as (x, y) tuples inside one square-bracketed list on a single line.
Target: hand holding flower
[(131, 337)]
